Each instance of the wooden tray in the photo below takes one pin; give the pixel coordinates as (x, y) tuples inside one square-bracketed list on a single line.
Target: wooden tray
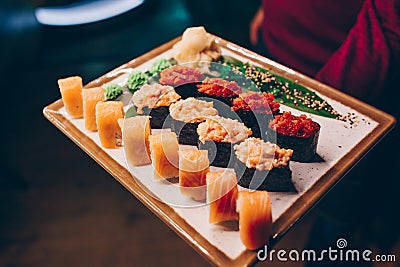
[(113, 161)]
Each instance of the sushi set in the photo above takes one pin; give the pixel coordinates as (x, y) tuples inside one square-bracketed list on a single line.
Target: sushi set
[(227, 147)]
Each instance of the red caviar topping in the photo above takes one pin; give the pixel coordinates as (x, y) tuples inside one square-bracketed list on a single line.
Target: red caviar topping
[(219, 87), (256, 102), (288, 124), (178, 75)]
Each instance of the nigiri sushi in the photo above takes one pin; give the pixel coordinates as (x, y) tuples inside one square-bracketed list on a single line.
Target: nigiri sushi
[(222, 193), (107, 115), (71, 94), (164, 155), (193, 167), (255, 218), (91, 97), (135, 134)]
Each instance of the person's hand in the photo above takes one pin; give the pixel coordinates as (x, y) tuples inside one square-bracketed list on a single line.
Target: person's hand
[(255, 25)]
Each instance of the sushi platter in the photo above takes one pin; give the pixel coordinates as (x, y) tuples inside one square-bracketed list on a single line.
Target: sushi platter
[(337, 131)]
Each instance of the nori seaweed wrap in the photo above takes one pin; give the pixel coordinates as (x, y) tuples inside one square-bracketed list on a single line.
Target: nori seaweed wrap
[(255, 111), (220, 154), (298, 133), (186, 132), (158, 117), (275, 180), (218, 135), (262, 165)]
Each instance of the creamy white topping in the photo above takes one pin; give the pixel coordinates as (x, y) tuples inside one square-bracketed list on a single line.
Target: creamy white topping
[(221, 129), (192, 110), (255, 153), (154, 96)]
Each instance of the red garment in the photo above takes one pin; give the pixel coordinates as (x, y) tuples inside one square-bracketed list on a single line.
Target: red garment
[(351, 45)]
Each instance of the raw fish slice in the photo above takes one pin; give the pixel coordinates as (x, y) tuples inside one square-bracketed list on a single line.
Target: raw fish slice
[(193, 167), (164, 155), (91, 97), (71, 94), (135, 135), (222, 195), (255, 218), (107, 115)]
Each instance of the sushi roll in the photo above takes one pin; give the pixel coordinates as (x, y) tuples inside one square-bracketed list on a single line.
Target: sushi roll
[(222, 194), (263, 166), (135, 136), (183, 79), (220, 90), (186, 115), (107, 116), (193, 167), (218, 135), (154, 101), (298, 133), (71, 94), (90, 98), (164, 155), (255, 110), (255, 218)]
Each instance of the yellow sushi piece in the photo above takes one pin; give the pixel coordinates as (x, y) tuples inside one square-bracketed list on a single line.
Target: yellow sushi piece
[(71, 94), (107, 115), (164, 155), (135, 135), (222, 193), (193, 167), (91, 97)]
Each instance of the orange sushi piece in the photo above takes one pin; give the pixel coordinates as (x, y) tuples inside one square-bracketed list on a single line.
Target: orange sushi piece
[(71, 94), (255, 218), (107, 115), (90, 98), (135, 134), (164, 155), (222, 193), (193, 167)]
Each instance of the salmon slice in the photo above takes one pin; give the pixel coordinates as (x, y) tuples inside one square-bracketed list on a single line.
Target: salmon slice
[(71, 94), (90, 98), (255, 218), (135, 134), (222, 195), (193, 167), (107, 115), (164, 154)]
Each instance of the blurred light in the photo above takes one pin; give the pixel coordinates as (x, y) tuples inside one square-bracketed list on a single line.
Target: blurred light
[(84, 12)]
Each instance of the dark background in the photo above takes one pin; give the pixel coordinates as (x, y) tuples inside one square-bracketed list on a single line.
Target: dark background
[(57, 206)]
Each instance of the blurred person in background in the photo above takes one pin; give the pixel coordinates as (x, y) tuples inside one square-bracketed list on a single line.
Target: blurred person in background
[(353, 46)]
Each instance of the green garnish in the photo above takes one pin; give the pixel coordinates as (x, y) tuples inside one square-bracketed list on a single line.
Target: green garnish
[(136, 80), (285, 91), (158, 66), (113, 91), (131, 112)]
